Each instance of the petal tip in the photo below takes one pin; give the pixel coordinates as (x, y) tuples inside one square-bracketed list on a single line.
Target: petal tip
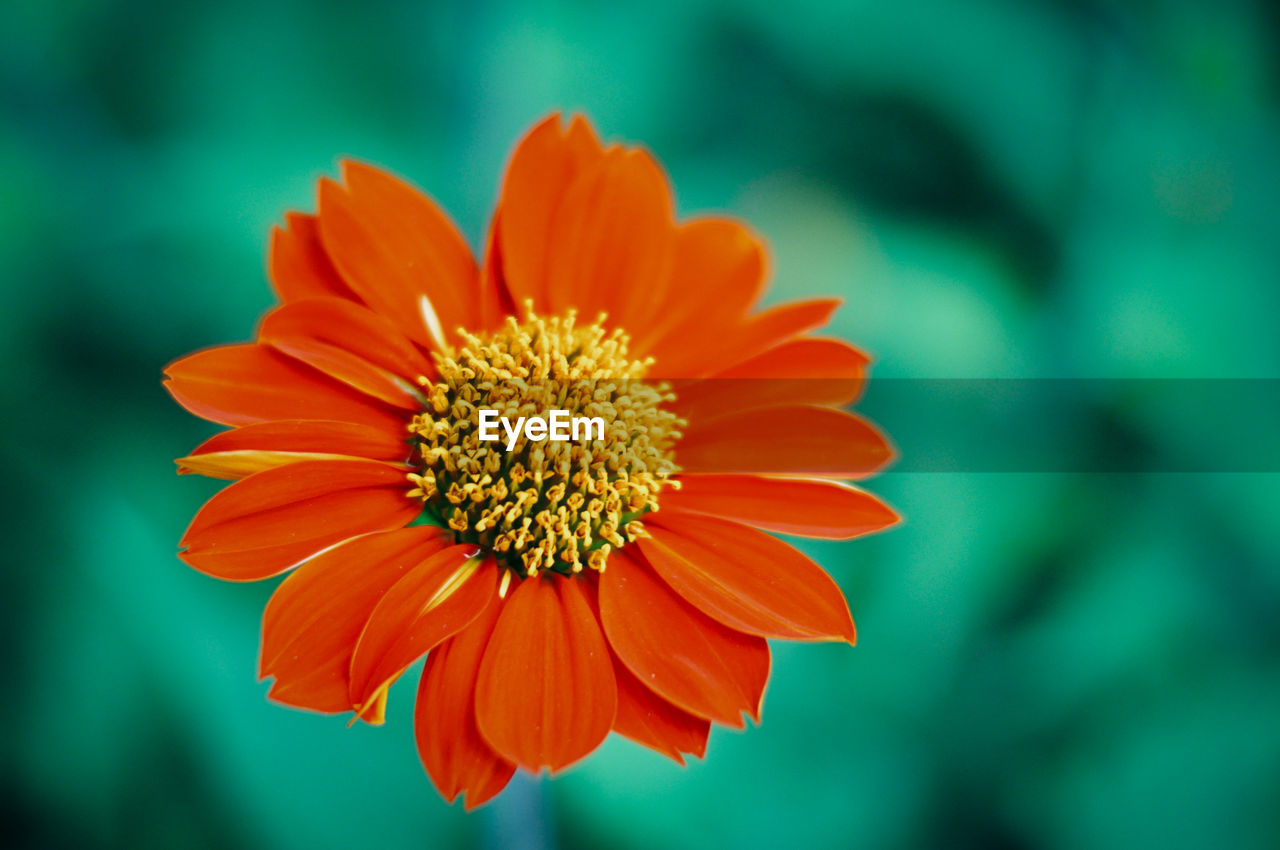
[(353, 169), (328, 193)]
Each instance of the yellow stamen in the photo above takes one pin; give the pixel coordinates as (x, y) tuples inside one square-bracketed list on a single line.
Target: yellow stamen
[(545, 505)]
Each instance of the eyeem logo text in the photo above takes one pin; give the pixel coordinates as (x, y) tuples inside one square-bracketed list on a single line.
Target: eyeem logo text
[(559, 426)]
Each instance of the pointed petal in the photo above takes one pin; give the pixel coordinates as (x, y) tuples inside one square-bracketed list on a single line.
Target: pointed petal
[(744, 340), (274, 519), (544, 165), (235, 465), (456, 757), (432, 602), (612, 240), (814, 358), (787, 440), (376, 714), (777, 325), (546, 695), (240, 452), (353, 371), (804, 507), (650, 720), (746, 579), (398, 252), (243, 384), (645, 717), (350, 343), (315, 616), (495, 300), (718, 272), (677, 651), (299, 266), (802, 371)]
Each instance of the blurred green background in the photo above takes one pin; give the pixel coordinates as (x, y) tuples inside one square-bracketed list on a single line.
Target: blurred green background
[(999, 188)]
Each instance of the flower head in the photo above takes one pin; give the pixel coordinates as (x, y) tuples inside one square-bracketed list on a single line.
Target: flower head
[(621, 580), (545, 505)]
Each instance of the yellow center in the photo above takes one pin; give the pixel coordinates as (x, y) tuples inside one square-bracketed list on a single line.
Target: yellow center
[(546, 504)]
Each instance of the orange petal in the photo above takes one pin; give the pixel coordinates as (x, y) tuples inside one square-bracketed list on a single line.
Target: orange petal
[(777, 325), (350, 343), (311, 624), (243, 384), (802, 371), (235, 465), (677, 651), (432, 602), (454, 754), (647, 718), (240, 452), (495, 300), (274, 519), (808, 508), (746, 579), (612, 240), (376, 714), (350, 327), (717, 273), (398, 252), (650, 720), (745, 340), (542, 168), (546, 695), (299, 266), (788, 440), (813, 357)]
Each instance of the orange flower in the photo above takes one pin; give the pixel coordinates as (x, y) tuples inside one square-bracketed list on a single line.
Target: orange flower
[(563, 589)]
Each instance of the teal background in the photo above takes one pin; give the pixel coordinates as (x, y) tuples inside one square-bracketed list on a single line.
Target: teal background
[(997, 188)]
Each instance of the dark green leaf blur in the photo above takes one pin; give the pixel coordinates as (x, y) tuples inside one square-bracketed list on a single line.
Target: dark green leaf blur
[(997, 188)]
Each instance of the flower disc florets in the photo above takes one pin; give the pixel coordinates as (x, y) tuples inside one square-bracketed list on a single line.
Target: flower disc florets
[(544, 505)]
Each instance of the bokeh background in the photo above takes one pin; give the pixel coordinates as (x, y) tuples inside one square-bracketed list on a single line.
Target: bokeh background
[(998, 188)]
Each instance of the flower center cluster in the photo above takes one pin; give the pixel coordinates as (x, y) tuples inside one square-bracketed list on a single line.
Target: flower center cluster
[(544, 505)]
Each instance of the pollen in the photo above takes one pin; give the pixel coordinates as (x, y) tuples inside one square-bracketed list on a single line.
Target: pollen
[(544, 505)]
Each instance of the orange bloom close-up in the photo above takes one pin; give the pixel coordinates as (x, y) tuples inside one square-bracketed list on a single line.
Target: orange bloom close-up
[(623, 581)]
